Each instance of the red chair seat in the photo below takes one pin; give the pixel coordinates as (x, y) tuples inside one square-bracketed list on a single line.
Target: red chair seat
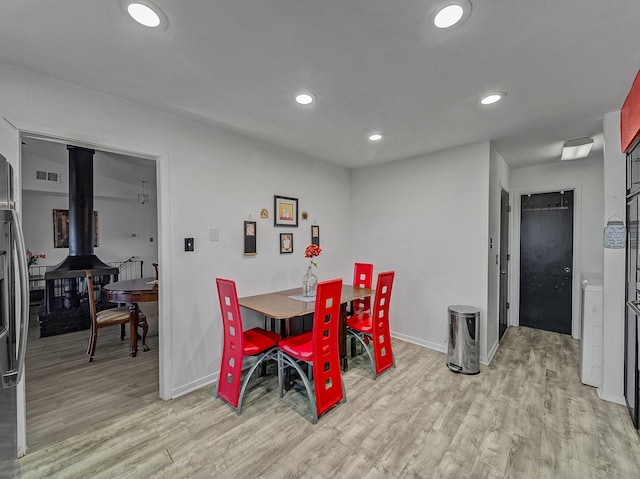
[(299, 347), (360, 322), (258, 340)]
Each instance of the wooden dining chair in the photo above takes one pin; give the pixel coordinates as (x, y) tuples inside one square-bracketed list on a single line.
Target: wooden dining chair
[(373, 327), (239, 344), (110, 317), (155, 267), (319, 348)]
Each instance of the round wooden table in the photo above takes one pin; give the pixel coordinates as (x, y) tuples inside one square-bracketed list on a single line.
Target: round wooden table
[(133, 291)]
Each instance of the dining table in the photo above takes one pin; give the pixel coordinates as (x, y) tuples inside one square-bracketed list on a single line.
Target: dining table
[(132, 292), (290, 304)]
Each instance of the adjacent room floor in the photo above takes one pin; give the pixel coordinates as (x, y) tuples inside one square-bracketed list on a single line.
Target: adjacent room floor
[(525, 416), (67, 395)]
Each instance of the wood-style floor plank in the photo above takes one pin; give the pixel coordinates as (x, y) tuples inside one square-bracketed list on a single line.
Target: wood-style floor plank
[(525, 416)]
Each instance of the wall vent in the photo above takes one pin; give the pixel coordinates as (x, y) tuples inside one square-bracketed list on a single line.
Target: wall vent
[(48, 176)]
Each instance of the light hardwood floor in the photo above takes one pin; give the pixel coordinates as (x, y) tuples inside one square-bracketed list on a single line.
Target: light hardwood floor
[(525, 416), (67, 395)]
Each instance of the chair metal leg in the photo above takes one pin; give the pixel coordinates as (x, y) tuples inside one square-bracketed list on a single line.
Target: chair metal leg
[(312, 398), (262, 357), (359, 337)]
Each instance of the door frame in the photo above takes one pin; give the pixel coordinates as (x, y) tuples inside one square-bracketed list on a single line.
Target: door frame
[(504, 250), (114, 145), (514, 282)]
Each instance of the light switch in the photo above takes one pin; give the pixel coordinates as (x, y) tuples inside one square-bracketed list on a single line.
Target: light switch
[(214, 234), (188, 244)]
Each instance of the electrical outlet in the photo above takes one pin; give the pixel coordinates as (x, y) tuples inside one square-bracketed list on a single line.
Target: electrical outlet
[(214, 234)]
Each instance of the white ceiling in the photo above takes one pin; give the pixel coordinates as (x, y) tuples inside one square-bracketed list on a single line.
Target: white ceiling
[(373, 64)]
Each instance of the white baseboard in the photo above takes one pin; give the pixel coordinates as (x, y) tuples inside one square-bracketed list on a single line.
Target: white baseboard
[(486, 361), (420, 342), (192, 386), (611, 398), (436, 346)]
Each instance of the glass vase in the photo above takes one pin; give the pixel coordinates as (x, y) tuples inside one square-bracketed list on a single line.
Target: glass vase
[(309, 283)]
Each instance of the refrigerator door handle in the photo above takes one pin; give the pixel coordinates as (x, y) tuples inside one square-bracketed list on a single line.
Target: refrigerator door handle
[(12, 376)]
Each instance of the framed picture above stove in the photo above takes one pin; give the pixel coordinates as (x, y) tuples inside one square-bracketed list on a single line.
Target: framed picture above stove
[(61, 228)]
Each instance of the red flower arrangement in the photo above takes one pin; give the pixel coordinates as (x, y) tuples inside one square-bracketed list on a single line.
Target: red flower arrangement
[(32, 258), (311, 252)]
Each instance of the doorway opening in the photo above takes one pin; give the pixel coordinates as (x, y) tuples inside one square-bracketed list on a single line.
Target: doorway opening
[(546, 261), (65, 393)]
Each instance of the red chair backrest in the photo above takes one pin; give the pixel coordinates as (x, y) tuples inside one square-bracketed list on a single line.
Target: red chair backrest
[(362, 278), (232, 353), (326, 355), (382, 351)]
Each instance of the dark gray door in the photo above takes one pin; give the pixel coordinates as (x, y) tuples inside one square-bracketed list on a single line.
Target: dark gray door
[(504, 263), (546, 259)]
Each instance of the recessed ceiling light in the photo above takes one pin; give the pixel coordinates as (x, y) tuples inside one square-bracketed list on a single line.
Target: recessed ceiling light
[(375, 137), (576, 149), (146, 13), (492, 98), (305, 98), (450, 13)]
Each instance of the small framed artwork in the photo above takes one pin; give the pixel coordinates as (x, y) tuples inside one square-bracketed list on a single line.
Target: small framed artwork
[(61, 229), (315, 235), (286, 243), (249, 238), (285, 211)]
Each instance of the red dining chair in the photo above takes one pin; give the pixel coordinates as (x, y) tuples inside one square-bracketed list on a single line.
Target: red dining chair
[(362, 278), (374, 327), (318, 347), (239, 344)]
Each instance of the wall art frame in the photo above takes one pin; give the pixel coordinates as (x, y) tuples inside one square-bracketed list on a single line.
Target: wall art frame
[(286, 243), (250, 237), (285, 211), (315, 235), (61, 229)]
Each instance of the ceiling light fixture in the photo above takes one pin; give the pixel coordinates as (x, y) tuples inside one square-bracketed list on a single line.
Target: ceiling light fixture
[(305, 98), (146, 13), (451, 13), (375, 137), (576, 149), (492, 98)]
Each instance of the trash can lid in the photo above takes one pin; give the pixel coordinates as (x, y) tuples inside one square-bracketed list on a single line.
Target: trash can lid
[(465, 310)]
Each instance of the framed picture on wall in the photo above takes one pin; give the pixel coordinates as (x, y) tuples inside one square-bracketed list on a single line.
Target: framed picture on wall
[(315, 235), (61, 229), (286, 243), (249, 238), (285, 211)]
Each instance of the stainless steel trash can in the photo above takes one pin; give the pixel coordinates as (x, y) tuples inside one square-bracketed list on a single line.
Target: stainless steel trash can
[(463, 352)]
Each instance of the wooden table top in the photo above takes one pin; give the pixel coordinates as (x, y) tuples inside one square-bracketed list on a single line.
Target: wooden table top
[(137, 290), (278, 305)]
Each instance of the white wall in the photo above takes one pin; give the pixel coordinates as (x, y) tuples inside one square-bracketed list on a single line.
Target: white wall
[(499, 179), (613, 307), (586, 178), (427, 219), (208, 178)]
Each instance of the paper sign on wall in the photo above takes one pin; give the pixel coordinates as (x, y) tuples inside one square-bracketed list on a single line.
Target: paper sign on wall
[(615, 235)]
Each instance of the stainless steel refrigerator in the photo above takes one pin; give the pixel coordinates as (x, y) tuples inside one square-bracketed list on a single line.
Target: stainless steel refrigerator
[(14, 317)]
